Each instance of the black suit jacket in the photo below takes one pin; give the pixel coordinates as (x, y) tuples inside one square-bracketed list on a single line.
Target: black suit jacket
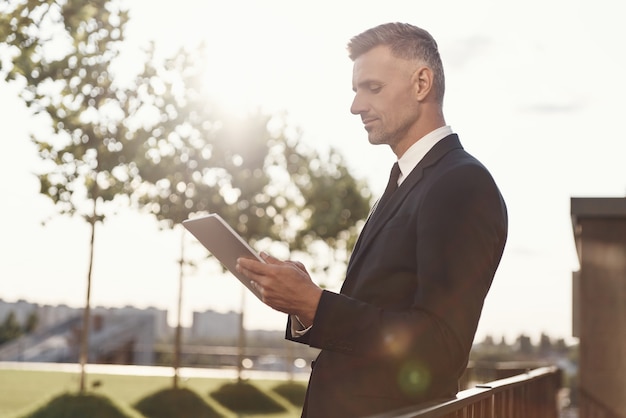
[(400, 331)]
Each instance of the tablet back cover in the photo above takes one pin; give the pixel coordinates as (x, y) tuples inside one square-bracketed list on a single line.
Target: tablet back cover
[(224, 243)]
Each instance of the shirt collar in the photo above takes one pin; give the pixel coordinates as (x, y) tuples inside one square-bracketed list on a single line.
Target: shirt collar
[(419, 149)]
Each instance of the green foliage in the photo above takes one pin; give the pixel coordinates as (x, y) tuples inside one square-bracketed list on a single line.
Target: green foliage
[(251, 169), (10, 328), (189, 159), (179, 403), (23, 391), (161, 139), (332, 199), (79, 406), (31, 322), (62, 52), (292, 391), (245, 398), (158, 141)]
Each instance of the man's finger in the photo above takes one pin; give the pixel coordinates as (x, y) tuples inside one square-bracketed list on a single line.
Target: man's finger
[(269, 259), (249, 266)]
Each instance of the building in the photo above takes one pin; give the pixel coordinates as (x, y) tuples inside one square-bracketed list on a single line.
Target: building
[(117, 335), (599, 305), (51, 315), (215, 326)]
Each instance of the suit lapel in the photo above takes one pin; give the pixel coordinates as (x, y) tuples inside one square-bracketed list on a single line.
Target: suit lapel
[(371, 229)]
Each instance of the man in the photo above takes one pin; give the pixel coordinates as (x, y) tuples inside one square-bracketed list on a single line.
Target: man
[(401, 330)]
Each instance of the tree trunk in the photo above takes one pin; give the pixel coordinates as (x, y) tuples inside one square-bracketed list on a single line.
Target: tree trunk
[(242, 337), (84, 340), (178, 335)]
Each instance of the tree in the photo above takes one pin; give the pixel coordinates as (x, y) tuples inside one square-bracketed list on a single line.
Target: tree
[(545, 345), (10, 328), (524, 345), (331, 203), (267, 185), (31, 322), (185, 165), (162, 142), (62, 52)]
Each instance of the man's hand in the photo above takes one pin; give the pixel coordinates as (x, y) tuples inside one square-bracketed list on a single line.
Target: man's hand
[(284, 285)]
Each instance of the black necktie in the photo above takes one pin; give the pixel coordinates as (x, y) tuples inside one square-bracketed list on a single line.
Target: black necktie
[(392, 185)]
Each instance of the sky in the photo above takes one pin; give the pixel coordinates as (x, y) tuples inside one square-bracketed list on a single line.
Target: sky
[(534, 89)]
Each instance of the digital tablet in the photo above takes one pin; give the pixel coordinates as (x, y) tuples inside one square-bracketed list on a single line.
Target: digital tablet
[(224, 243)]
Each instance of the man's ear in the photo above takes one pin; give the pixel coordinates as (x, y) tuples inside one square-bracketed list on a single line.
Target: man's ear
[(422, 81)]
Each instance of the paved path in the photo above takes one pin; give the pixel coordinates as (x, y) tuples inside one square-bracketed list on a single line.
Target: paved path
[(152, 370)]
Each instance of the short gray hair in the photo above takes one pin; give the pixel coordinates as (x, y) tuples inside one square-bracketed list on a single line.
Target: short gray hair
[(405, 41)]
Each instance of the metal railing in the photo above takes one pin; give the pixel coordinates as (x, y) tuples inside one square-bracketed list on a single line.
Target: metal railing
[(528, 395)]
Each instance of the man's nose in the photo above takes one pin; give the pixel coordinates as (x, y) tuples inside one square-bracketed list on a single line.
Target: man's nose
[(358, 105)]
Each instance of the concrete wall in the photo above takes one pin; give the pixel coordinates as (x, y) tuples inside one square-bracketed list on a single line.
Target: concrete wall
[(600, 303)]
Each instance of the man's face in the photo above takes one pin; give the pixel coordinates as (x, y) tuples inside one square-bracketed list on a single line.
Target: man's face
[(384, 97)]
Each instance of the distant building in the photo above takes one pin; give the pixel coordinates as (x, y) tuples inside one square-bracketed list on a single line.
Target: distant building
[(214, 325), (21, 309), (114, 338), (49, 316), (161, 329), (126, 335)]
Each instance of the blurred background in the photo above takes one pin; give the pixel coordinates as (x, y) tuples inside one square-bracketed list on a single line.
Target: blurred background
[(535, 91)]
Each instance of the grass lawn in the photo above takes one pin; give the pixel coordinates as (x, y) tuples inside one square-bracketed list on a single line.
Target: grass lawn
[(22, 391)]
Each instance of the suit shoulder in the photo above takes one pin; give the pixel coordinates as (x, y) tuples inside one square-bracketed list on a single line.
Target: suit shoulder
[(461, 162)]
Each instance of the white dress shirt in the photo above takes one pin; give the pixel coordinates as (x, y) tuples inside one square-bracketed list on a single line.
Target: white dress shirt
[(419, 149)]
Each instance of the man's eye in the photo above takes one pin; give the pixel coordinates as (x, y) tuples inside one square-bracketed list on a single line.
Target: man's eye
[(375, 88)]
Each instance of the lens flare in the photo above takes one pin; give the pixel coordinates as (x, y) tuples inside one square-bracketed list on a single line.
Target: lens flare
[(413, 378)]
